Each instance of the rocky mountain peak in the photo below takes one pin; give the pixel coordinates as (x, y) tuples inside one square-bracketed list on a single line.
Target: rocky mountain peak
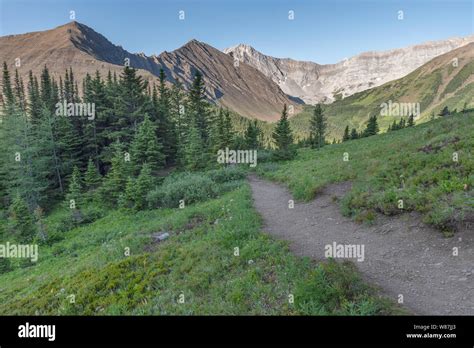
[(315, 83)]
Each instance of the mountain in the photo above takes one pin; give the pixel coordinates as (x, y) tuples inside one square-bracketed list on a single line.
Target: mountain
[(447, 80), (316, 83), (243, 89)]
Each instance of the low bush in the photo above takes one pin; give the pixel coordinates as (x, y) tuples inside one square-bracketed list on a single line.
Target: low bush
[(78, 218), (188, 187), (227, 174)]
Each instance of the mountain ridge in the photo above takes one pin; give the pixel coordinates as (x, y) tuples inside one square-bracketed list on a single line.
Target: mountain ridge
[(314, 83), (241, 88)]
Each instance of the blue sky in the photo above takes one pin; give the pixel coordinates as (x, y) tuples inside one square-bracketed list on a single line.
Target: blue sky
[(324, 31)]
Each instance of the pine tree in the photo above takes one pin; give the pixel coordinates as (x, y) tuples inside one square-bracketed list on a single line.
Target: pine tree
[(74, 195), (35, 103), (9, 98), (227, 134), (401, 124), (25, 165), (95, 129), (69, 144), (372, 127), (137, 189), (198, 106), (129, 104), (394, 126), (318, 127), (194, 151), (179, 120), (92, 178), (346, 135), (283, 138), (165, 127), (354, 134), (46, 92), (411, 121), (252, 135), (116, 178), (444, 112), (146, 148), (47, 156), (21, 221), (20, 92), (38, 214)]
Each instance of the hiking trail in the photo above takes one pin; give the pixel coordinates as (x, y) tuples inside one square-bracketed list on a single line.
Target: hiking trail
[(402, 255)]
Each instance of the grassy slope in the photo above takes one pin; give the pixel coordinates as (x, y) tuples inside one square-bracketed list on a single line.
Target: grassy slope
[(197, 260), (433, 183)]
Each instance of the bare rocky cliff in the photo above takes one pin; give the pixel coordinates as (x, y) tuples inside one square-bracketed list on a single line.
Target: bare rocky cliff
[(315, 83)]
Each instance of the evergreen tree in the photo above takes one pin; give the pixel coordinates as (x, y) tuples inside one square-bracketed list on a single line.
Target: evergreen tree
[(252, 135), (198, 106), (21, 221), (146, 148), (95, 129), (194, 153), (47, 95), (38, 214), (68, 142), (394, 126), (401, 125), (227, 129), (372, 127), (47, 155), (411, 121), (9, 98), (92, 178), (129, 104), (35, 103), (346, 135), (318, 127), (25, 164), (179, 120), (283, 138), (444, 112), (137, 189), (74, 195), (117, 177), (20, 92), (165, 127), (354, 134)]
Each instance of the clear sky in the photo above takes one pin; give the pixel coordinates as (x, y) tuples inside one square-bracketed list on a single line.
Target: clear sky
[(323, 31)]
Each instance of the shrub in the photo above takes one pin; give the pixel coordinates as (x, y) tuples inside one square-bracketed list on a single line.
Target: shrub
[(5, 265), (264, 156), (78, 218), (226, 174), (189, 187)]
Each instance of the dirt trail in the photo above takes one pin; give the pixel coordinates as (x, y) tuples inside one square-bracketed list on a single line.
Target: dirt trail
[(402, 255)]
